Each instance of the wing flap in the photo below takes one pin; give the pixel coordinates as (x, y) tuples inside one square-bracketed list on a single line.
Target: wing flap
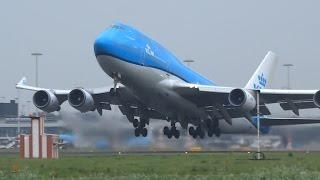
[(298, 104), (282, 95), (268, 121), (203, 95)]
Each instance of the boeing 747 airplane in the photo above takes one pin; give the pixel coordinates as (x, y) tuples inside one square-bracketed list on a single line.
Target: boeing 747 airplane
[(151, 83)]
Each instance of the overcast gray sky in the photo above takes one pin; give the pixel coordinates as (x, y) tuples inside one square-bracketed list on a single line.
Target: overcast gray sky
[(227, 39)]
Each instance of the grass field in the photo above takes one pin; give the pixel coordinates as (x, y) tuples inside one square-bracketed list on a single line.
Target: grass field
[(183, 166)]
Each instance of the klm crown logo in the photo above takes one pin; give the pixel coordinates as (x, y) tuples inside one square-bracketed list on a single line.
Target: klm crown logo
[(149, 50), (262, 82)]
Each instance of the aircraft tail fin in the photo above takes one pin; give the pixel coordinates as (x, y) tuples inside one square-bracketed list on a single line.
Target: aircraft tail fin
[(263, 74)]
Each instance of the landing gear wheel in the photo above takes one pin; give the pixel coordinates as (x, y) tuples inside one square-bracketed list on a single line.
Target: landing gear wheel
[(166, 130), (210, 132), (208, 123), (198, 130), (144, 132), (135, 123), (215, 123), (194, 136), (201, 135), (218, 132), (142, 124), (169, 132), (177, 134), (114, 92), (192, 131), (137, 132)]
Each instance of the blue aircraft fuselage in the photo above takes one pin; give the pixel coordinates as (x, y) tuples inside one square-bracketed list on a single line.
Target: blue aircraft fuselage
[(149, 71)]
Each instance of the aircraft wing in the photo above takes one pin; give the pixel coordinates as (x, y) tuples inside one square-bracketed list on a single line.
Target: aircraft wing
[(62, 95), (22, 84), (103, 98), (217, 99)]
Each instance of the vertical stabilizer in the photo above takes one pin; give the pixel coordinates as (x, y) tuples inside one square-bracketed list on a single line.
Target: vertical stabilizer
[(263, 74)]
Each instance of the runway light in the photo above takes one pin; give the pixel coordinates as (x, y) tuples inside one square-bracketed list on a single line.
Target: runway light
[(186, 152), (119, 152)]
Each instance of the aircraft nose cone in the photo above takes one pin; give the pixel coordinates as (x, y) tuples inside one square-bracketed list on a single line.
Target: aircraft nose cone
[(103, 44)]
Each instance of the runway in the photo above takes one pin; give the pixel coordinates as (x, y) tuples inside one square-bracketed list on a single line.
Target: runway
[(92, 153)]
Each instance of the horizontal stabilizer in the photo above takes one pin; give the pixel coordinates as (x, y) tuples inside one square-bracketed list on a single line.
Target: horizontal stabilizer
[(268, 121)]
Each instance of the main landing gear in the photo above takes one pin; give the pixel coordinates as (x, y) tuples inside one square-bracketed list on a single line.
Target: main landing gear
[(140, 127), (196, 132), (169, 132), (212, 128)]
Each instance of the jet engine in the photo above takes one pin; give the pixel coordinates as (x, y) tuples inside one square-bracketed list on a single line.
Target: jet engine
[(242, 98), (81, 100), (46, 101), (316, 98)]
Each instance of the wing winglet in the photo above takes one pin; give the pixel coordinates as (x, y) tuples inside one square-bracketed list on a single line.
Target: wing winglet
[(22, 84)]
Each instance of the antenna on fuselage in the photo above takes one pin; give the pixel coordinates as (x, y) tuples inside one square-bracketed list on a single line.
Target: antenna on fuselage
[(188, 61)]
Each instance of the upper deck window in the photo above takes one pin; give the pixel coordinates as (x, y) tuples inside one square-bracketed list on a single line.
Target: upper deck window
[(116, 27)]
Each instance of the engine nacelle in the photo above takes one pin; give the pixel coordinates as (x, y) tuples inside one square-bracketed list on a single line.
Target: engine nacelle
[(46, 101), (242, 98), (316, 98), (81, 100)]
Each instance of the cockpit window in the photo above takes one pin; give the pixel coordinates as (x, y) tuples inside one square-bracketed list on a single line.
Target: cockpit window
[(116, 27)]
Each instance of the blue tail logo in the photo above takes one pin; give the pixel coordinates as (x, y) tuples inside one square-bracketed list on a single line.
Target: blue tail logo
[(262, 82)]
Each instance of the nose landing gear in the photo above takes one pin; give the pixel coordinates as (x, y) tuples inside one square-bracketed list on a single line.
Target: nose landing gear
[(116, 79)]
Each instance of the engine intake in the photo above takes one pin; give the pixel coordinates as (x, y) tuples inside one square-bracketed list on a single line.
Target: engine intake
[(242, 98), (81, 100), (316, 98), (46, 101)]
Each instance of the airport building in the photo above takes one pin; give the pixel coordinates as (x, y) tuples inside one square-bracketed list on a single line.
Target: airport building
[(8, 110), (11, 124)]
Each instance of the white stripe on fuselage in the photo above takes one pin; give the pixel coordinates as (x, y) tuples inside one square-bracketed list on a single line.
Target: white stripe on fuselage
[(145, 83)]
